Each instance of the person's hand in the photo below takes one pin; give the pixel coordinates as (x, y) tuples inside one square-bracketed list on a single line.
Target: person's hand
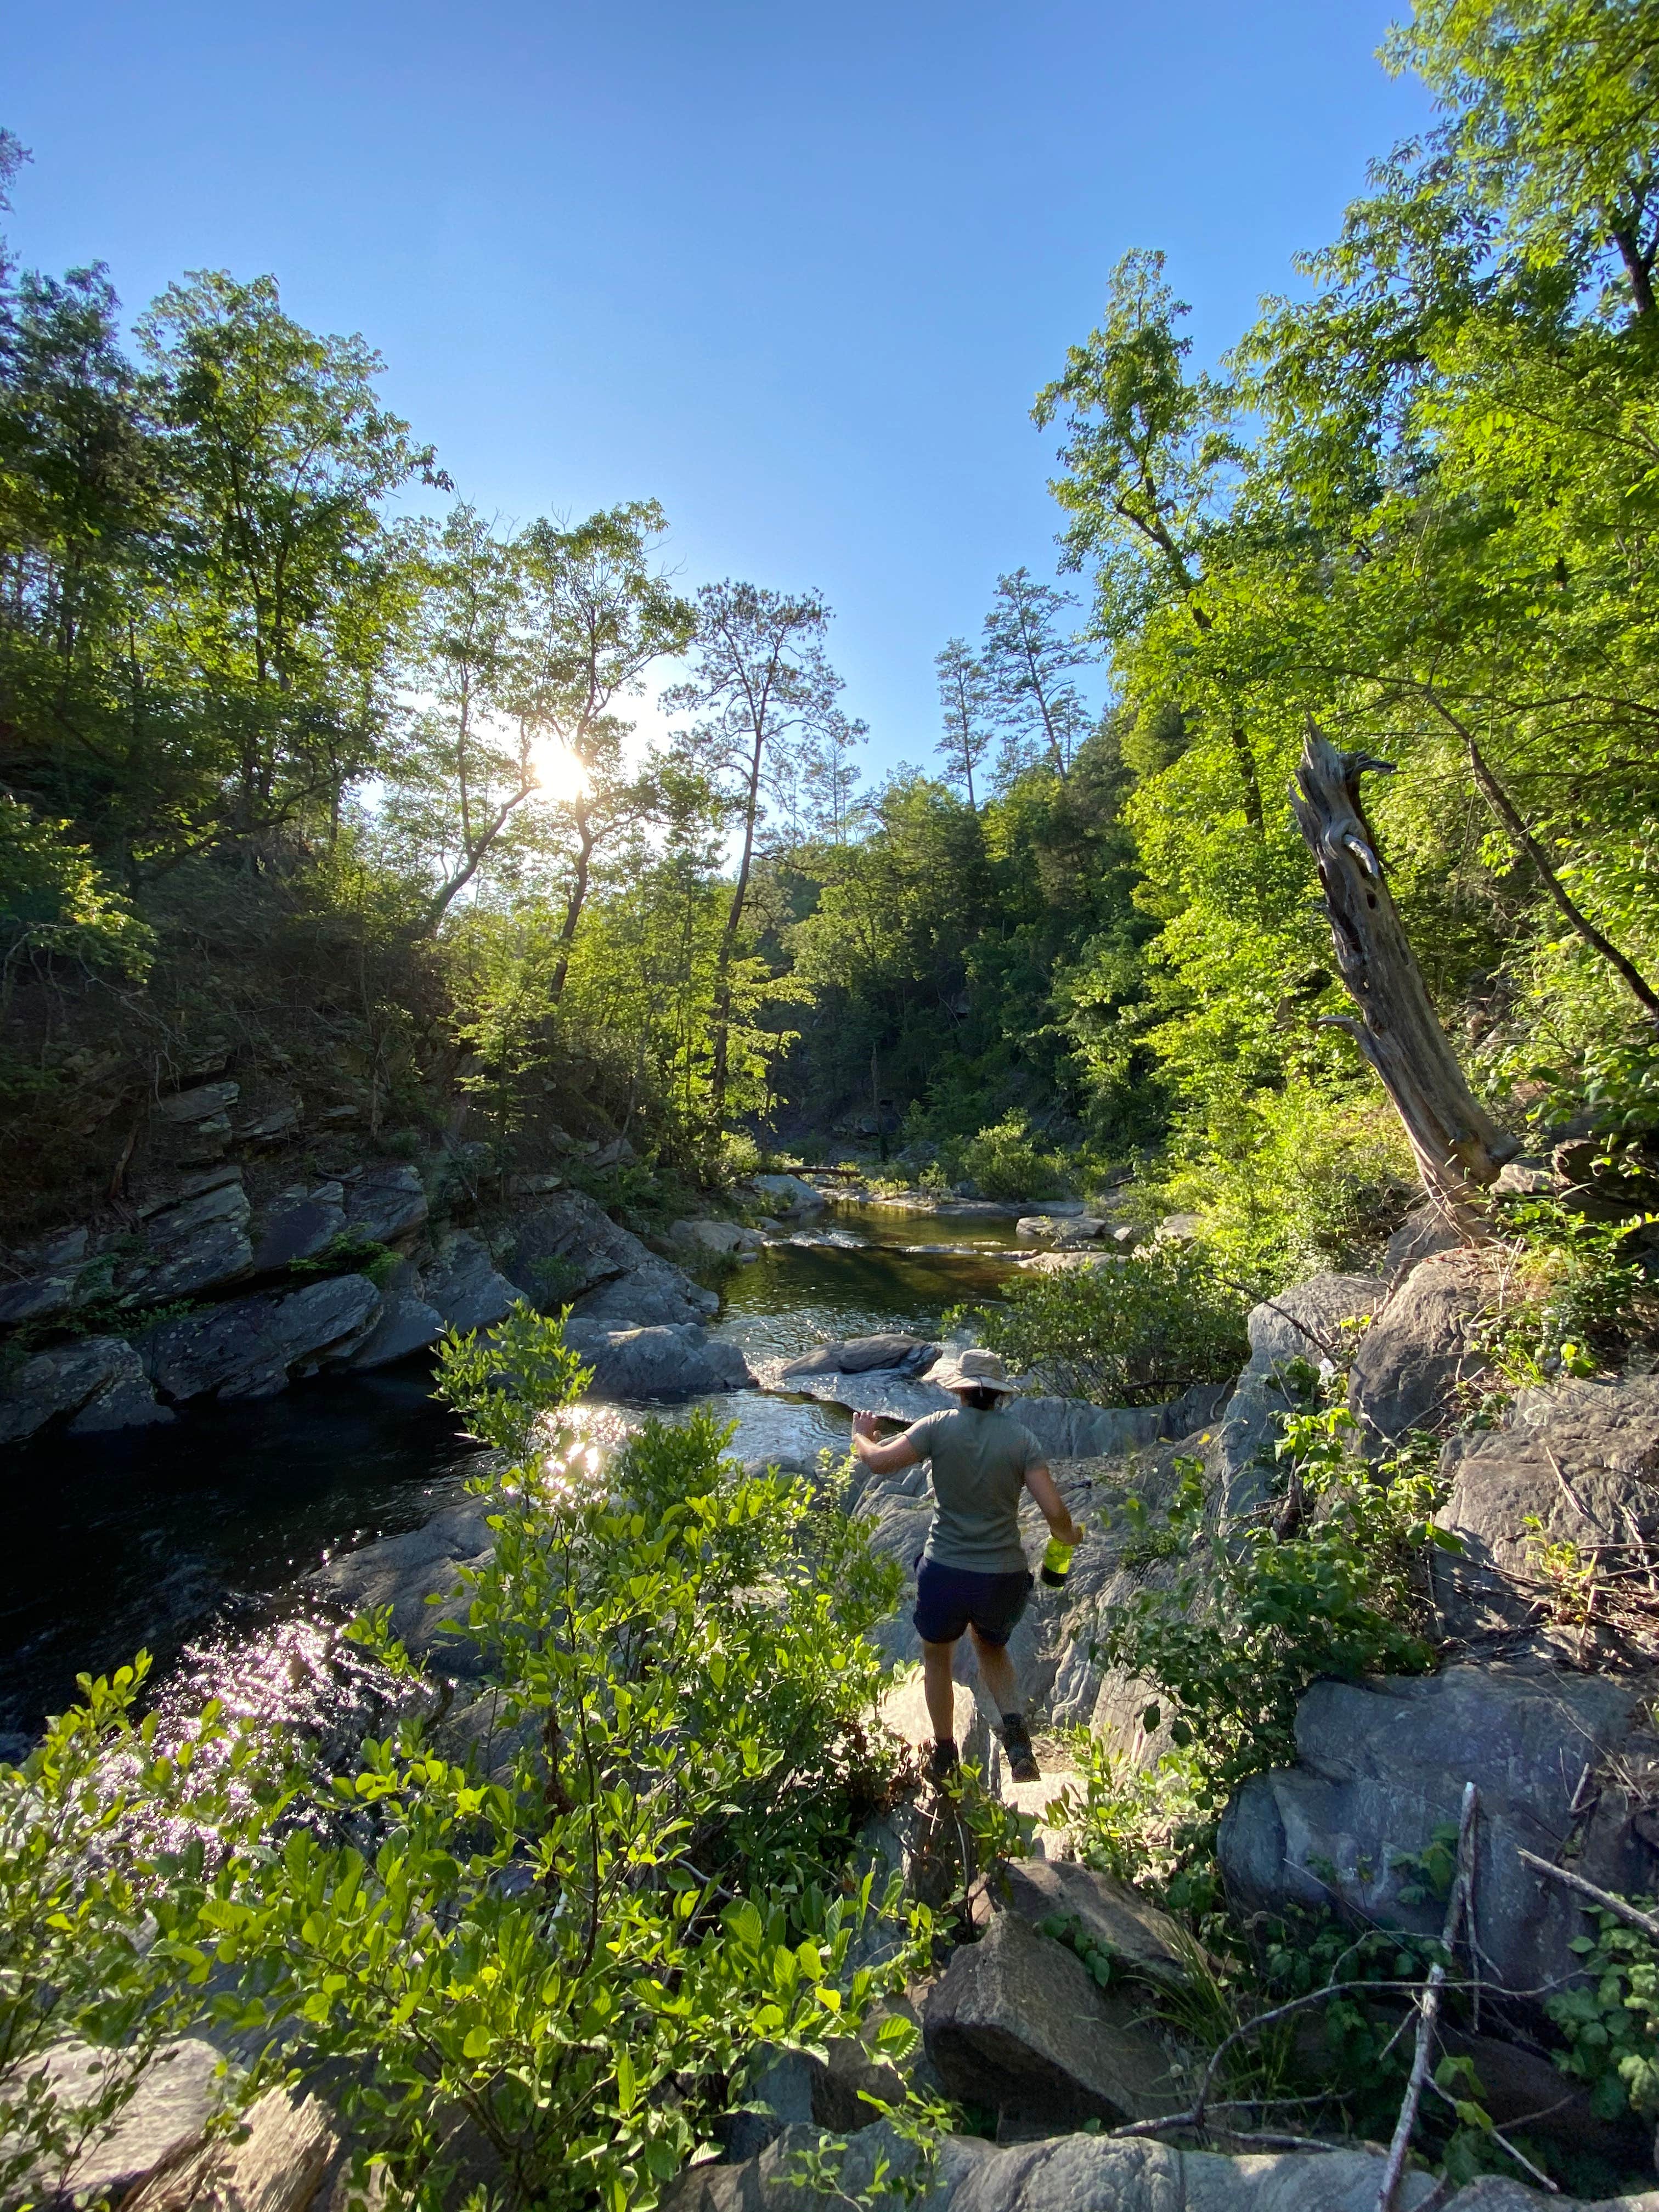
[(868, 1426), (1070, 1535)]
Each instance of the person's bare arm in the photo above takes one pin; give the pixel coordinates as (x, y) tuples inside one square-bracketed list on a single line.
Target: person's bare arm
[(1053, 1507), (881, 1459)]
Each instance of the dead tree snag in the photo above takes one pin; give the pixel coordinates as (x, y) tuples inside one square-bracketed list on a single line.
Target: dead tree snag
[(1459, 1147)]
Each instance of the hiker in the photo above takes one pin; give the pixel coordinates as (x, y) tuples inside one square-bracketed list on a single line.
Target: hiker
[(972, 1573)]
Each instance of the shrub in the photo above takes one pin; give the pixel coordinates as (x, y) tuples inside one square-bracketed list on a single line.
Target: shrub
[(1249, 1622), (1006, 1161), (560, 1965), (1132, 1331)]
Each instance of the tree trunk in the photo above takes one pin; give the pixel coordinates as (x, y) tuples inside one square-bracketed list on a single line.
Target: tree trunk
[(1459, 1147)]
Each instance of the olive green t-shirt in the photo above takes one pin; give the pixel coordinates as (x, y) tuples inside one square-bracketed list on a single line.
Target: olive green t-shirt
[(980, 1461)]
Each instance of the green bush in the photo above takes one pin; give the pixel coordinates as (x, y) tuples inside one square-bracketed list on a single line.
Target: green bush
[(1251, 1621), (560, 1965), (1132, 1332), (1006, 1161)]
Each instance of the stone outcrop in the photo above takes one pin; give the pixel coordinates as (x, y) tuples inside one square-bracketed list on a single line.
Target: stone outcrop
[(673, 1362), (386, 1202), (298, 1223), (196, 1242), (1413, 1361), (723, 1238), (403, 1571), (462, 1287), (277, 2162), (566, 1249), (1302, 1324), (1382, 1764), (789, 1195), (1019, 2024), (1059, 1228), (179, 2089), (252, 1347), (98, 1381), (1582, 1461)]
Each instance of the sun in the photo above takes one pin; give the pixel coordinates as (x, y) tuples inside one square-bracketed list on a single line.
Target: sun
[(558, 772)]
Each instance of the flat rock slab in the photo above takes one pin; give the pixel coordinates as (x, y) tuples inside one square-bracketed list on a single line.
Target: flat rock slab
[(249, 1348), (386, 1202), (1017, 2023), (404, 1572), (98, 1381), (1381, 1765), (1581, 1459), (893, 1353), (1109, 1912), (177, 2093)]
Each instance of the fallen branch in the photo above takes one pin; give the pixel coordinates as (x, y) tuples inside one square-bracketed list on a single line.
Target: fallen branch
[(1429, 2006), (1618, 1905), (1503, 2144)]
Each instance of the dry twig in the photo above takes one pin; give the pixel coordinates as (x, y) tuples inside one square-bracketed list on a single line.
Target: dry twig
[(1429, 2006), (1621, 1907)]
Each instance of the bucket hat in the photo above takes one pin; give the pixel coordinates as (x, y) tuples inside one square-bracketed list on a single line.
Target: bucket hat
[(974, 1369)]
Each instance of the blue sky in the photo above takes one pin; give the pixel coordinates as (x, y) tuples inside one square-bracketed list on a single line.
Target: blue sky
[(797, 273)]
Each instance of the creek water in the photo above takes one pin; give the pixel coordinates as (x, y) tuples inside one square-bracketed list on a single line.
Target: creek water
[(189, 1540)]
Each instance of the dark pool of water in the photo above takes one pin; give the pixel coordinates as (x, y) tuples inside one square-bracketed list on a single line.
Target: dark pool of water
[(175, 1534)]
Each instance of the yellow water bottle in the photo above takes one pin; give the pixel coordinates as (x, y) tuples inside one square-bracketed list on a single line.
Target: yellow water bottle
[(1057, 1563)]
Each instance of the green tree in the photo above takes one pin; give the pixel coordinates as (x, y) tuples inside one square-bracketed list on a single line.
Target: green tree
[(964, 698)]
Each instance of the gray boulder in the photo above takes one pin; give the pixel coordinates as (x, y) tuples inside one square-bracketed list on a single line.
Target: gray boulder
[(1304, 1323), (1581, 1458), (198, 1242), (251, 1348), (98, 1382), (407, 1324), (788, 1194), (177, 2092), (43, 1284), (654, 1295), (208, 1102), (385, 1202), (1382, 1764), (1107, 1911), (664, 1362), (1017, 2022), (462, 1287), (1413, 1359), (1059, 1228), (298, 1223), (403, 1571), (721, 1237), (895, 1354)]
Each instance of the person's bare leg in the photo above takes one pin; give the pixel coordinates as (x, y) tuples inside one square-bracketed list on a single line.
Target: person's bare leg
[(939, 1690), (997, 1673)]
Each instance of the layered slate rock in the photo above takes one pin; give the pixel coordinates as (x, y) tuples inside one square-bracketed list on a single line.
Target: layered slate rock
[(386, 1202), (47, 1278), (462, 1287), (1017, 2023), (1112, 1915), (251, 1348), (196, 1242), (567, 1247), (671, 1363), (98, 1381), (1382, 1764), (1417, 1353), (299, 1223), (1302, 1324), (1582, 1460)]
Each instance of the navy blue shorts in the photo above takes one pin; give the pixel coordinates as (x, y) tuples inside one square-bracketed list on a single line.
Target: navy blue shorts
[(948, 1598)]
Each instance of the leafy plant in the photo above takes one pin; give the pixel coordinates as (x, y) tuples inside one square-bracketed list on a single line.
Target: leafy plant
[(1571, 1295), (1006, 1161), (1612, 2023), (1127, 1333), (1252, 1618)]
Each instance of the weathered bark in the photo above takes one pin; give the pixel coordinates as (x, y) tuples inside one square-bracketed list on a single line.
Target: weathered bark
[(1459, 1148)]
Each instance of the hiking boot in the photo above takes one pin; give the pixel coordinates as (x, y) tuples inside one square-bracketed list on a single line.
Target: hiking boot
[(1017, 1742), (943, 1762)]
